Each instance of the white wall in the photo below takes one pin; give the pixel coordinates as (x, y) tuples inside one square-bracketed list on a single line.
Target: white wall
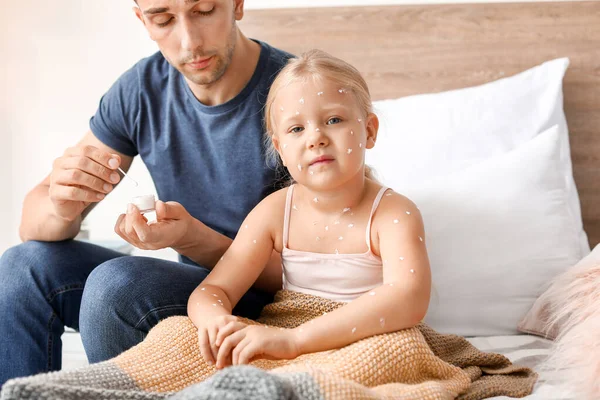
[(59, 58)]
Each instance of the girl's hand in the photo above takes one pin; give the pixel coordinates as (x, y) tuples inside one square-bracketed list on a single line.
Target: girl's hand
[(208, 332), (253, 342)]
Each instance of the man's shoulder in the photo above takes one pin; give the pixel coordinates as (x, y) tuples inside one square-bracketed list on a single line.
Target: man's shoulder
[(154, 66), (277, 58), (278, 55)]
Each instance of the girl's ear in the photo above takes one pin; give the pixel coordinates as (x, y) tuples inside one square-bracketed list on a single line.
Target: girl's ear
[(372, 129), (277, 146)]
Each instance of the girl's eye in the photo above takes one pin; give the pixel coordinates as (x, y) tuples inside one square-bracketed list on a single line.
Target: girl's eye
[(296, 129), (334, 120)]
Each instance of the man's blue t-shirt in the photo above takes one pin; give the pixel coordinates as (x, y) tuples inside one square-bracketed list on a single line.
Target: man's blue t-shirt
[(211, 159)]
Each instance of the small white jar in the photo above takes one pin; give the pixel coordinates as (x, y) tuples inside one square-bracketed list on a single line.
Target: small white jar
[(146, 204)]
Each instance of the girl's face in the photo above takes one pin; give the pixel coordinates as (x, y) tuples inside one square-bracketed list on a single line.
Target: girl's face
[(321, 133)]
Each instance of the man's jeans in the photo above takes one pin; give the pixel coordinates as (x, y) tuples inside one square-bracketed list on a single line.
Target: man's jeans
[(112, 299)]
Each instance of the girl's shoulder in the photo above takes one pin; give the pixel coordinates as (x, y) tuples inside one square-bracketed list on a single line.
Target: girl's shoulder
[(391, 201), (272, 207), (396, 212)]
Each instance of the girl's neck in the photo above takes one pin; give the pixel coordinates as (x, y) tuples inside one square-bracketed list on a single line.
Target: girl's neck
[(335, 200)]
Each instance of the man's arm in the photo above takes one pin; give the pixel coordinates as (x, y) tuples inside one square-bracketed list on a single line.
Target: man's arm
[(79, 179)]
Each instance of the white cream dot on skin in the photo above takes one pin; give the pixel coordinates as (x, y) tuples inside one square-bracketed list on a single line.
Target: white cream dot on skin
[(388, 194), (372, 293), (301, 100), (281, 108), (299, 167), (420, 238), (317, 130), (359, 120), (352, 132), (360, 145), (327, 227), (341, 91), (254, 241), (214, 305), (285, 146), (320, 94), (401, 258), (345, 210), (353, 330), (337, 251), (341, 238), (318, 238), (316, 199), (396, 221), (214, 295), (351, 226), (297, 112), (246, 226), (203, 289), (349, 151), (408, 213), (391, 284), (312, 172), (295, 208), (412, 271), (336, 223)]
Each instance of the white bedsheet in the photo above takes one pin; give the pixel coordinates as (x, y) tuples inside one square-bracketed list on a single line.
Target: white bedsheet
[(529, 351)]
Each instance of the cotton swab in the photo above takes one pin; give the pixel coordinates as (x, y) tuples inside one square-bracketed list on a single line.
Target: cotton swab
[(128, 177)]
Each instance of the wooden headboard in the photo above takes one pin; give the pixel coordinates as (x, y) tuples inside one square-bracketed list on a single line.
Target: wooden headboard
[(408, 49)]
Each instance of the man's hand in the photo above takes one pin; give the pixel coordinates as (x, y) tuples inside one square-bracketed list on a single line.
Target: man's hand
[(242, 346), (82, 175), (172, 225)]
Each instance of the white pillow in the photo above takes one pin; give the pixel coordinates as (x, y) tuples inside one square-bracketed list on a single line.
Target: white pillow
[(428, 136), (497, 232)]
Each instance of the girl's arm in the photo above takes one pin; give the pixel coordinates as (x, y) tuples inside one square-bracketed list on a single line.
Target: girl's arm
[(240, 266), (401, 302)]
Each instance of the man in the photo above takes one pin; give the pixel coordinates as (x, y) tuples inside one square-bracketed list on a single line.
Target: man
[(193, 112)]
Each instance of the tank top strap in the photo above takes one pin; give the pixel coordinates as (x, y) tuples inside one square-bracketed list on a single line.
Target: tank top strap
[(286, 217), (373, 209)]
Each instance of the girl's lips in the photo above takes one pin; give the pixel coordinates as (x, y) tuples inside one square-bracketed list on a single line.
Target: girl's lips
[(322, 162)]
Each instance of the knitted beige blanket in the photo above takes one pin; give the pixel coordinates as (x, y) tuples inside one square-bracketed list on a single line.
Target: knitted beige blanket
[(416, 363)]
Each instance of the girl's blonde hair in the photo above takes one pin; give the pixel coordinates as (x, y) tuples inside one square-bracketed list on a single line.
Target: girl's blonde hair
[(317, 65)]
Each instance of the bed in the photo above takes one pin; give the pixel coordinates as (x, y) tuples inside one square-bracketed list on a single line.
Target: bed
[(404, 50)]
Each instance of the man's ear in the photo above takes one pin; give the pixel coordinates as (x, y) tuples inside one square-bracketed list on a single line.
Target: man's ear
[(372, 129), (239, 9), (277, 146), (140, 15)]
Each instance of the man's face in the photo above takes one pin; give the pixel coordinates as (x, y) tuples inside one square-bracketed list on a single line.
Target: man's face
[(197, 37)]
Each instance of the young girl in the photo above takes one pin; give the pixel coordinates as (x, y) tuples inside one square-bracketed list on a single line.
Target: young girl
[(341, 235)]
